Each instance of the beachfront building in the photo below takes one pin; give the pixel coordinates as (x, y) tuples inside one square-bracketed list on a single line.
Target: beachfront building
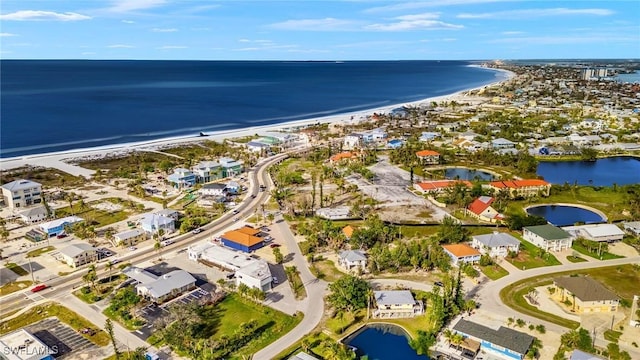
[(352, 260), (437, 186), (353, 141), (57, 227), (585, 294), (482, 210), (596, 232), (213, 189), (461, 253), (428, 157), (522, 188), (129, 237), (245, 239), (207, 171), (21, 193), (76, 255), (258, 146), (497, 244), (396, 304), (503, 342), (230, 167), (160, 288), (151, 223), (182, 178), (547, 237), (34, 214), (23, 345)]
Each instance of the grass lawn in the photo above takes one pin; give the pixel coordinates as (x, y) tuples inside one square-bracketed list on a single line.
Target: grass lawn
[(16, 269), (612, 335), (14, 286), (529, 258), (63, 314), (104, 286), (411, 325), (97, 217), (316, 347), (131, 324), (344, 321), (38, 252), (494, 272), (575, 259), (585, 251), (326, 270)]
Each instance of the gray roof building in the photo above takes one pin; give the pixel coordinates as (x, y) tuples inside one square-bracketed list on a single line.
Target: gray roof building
[(167, 283), (504, 337), (497, 239), (352, 255), (394, 297), (581, 355), (20, 184), (585, 288), (74, 250), (303, 356)]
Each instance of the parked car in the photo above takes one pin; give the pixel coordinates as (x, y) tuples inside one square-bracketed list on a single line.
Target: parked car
[(132, 248), (166, 242), (274, 245), (115, 261), (62, 236), (236, 212), (197, 231), (275, 280), (38, 288)]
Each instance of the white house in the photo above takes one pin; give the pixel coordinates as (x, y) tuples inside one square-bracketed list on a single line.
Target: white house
[(76, 255), (461, 253), (496, 244), (34, 214), (396, 304), (207, 171), (352, 259), (213, 189), (170, 213), (596, 232), (129, 237), (152, 223), (257, 146), (353, 141), (547, 237), (160, 288), (632, 227), (22, 193), (502, 143)]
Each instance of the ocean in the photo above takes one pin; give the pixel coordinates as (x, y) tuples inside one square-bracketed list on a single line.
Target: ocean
[(55, 105)]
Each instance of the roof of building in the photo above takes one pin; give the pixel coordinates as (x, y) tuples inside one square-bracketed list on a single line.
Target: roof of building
[(74, 250), (496, 239), (460, 250), (228, 162), (20, 184), (207, 165), (394, 297), (128, 234), (480, 204), (257, 269), (631, 224), (35, 349), (244, 236), (581, 355), (341, 156), (505, 337), (221, 256), (548, 232), (58, 222), (441, 184), (166, 283), (303, 356), (34, 211), (502, 141), (155, 219), (214, 186), (348, 231), (596, 230), (585, 288), (422, 153), (257, 144), (142, 276), (353, 255), (515, 184), (166, 212)]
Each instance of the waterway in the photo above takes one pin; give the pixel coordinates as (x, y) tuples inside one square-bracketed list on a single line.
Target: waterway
[(383, 342)]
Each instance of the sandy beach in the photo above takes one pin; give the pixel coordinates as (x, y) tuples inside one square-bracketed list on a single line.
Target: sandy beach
[(61, 159)]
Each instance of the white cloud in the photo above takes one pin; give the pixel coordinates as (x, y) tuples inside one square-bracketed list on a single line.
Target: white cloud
[(39, 15), (164, 30), (560, 40), (128, 21), (120, 46), (512, 32), (7, 34), (531, 13), (326, 24), (424, 21), (426, 4), (169, 47), (131, 5), (244, 40)]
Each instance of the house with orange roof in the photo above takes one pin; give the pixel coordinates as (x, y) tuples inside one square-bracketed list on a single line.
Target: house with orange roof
[(436, 186), (348, 231), (428, 157), (482, 210), (345, 155), (462, 253), (244, 239), (522, 188)]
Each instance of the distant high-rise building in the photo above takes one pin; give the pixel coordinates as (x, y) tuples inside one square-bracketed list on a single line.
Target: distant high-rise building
[(593, 73)]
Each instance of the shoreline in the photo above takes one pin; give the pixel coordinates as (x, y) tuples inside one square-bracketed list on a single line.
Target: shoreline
[(60, 159)]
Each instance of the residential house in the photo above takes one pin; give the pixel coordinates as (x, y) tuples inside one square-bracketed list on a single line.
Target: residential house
[(152, 223), (334, 213), (170, 213), (76, 255), (255, 275), (230, 167), (213, 189), (352, 259), (34, 214), (160, 288), (207, 171), (496, 244), (547, 237), (581, 355), (522, 188), (23, 345), (395, 143), (468, 135), (348, 231), (233, 188), (428, 157), (396, 304), (448, 127), (353, 141), (57, 227), (341, 157), (437, 186), (585, 294), (503, 342), (21, 193), (303, 356), (427, 136), (501, 143), (461, 253), (182, 178), (596, 232), (632, 227), (245, 239), (129, 237), (482, 210), (257, 146)]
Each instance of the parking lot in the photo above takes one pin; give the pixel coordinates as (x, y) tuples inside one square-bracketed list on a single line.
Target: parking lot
[(68, 342)]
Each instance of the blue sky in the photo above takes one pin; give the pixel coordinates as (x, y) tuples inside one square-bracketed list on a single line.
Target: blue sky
[(318, 30)]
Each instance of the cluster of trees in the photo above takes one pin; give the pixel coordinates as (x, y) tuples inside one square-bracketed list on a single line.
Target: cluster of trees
[(516, 220), (595, 247), (581, 339), (349, 293), (425, 254), (521, 162), (194, 217), (123, 303), (251, 293)]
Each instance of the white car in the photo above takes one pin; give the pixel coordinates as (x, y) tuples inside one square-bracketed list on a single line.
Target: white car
[(132, 248), (197, 231)]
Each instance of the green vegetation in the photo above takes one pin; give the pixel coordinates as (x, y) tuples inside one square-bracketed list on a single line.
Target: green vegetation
[(63, 314), (38, 252), (531, 256), (14, 286), (103, 288), (612, 335), (48, 177), (16, 269), (343, 320), (92, 216), (293, 275), (122, 306), (596, 251), (349, 293), (494, 272), (325, 270)]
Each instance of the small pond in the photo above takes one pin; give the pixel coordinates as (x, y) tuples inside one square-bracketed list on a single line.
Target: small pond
[(565, 215), (621, 170), (467, 174), (383, 342)]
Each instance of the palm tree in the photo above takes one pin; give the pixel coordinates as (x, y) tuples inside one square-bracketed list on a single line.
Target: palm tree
[(109, 267), (157, 247)]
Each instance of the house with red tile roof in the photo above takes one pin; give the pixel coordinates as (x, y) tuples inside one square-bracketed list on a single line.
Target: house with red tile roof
[(460, 253), (348, 231), (428, 157), (482, 210), (436, 186), (522, 188)]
